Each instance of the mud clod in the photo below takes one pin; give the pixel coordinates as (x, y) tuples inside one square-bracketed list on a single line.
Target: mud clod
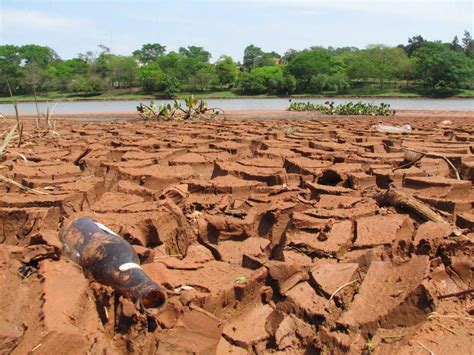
[(265, 240)]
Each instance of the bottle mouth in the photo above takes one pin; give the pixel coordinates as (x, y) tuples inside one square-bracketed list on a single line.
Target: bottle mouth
[(154, 299)]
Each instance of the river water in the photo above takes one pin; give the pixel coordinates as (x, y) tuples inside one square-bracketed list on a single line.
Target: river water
[(236, 104)]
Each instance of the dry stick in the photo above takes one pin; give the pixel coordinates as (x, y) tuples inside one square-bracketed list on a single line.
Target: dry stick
[(393, 337), (339, 289), (436, 315), (36, 347), (83, 154), (7, 140), (20, 135), (455, 294), (13, 182), (80, 157), (15, 105), (446, 328), (436, 155), (424, 347), (400, 199), (203, 311), (409, 164)]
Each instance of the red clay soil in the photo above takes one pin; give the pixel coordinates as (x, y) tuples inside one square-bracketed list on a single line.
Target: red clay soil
[(267, 230)]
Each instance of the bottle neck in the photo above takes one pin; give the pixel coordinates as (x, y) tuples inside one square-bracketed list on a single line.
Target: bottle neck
[(136, 285)]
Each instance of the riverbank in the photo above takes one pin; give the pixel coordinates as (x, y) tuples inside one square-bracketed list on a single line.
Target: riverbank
[(252, 115), (121, 96), (243, 221)]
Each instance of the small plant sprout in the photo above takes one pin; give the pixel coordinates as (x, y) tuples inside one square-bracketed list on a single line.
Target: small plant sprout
[(240, 280), (370, 346)]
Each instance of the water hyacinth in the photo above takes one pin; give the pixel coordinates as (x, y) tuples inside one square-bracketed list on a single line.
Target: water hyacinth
[(350, 108)]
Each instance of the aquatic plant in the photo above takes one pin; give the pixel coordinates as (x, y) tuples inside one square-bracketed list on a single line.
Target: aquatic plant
[(350, 108), (192, 109)]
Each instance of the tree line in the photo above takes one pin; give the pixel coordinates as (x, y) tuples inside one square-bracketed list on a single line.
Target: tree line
[(433, 67)]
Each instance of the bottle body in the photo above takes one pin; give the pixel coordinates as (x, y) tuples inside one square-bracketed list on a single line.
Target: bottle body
[(110, 260)]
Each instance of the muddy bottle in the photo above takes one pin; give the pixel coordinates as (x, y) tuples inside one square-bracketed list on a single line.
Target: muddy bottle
[(110, 260)]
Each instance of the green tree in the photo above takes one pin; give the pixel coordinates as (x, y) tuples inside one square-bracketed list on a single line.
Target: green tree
[(91, 84), (150, 77), (226, 70), (309, 64), (149, 52), (468, 44), (414, 43), (288, 56), (358, 65), (442, 70), (123, 71), (251, 56), (41, 55), (384, 62), (271, 80), (266, 60), (154, 79), (11, 73), (61, 72), (407, 69), (205, 75), (198, 53), (34, 77), (455, 46)]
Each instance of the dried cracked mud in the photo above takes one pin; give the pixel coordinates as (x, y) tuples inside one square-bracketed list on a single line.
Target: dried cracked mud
[(270, 235)]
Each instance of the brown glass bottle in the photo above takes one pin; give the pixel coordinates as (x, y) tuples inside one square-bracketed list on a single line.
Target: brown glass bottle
[(110, 260)]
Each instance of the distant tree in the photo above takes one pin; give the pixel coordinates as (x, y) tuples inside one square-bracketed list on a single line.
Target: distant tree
[(414, 43), (407, 69), (288, 56), (198, 53), (104, 49), (11, 73), (358, 65), (384, 62), (468, 44), (205, 75), (34, 76), (455, 46), (266, 60), (318, 83), (309, 64), (271, 80), (149, 52), (442, 70), (170, 62), (88, 57), (150, 77), (251, 56), (123, 70), (226, 70), (41, 55), (61, 72), (91, 84)]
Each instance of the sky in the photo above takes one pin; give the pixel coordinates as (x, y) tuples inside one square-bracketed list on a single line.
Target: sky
[(228, 26)]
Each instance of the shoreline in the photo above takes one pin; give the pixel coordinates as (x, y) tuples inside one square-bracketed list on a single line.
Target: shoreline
[(7, 100), (262, 115)]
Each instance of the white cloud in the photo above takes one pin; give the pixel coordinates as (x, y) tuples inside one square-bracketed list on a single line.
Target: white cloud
[(436, 10), (36, 20)]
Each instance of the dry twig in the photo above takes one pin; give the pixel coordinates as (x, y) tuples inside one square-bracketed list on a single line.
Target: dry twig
[(456, 294), (424, 347), (397, 198), (339, 289), (430, 155), (13, 182)]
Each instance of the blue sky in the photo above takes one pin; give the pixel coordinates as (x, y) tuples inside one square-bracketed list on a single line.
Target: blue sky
[(228, 26)]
